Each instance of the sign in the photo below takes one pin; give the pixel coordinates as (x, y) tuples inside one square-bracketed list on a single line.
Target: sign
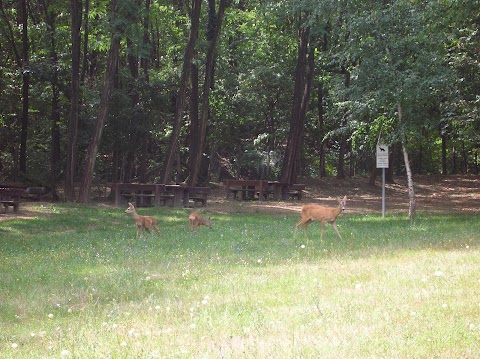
[(382, 156)]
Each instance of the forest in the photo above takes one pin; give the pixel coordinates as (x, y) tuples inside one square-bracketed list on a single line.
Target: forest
[(197, 91)]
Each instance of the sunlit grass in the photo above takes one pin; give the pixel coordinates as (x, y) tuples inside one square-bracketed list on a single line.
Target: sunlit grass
[(76, 283)]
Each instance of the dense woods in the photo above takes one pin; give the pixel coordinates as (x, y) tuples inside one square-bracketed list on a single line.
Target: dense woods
[(197, 91)]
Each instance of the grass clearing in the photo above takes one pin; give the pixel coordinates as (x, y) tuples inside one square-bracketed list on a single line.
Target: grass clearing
[(76, 283)]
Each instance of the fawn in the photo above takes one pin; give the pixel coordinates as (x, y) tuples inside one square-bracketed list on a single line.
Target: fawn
[(195, 221), (314, 212), (142, 222)]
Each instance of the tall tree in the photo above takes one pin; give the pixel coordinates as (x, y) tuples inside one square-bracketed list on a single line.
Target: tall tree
[(50, 18), (401, 68), (102, 107), (303, 84), (199, 138), (73, 118), (181, 95), (25, 86)]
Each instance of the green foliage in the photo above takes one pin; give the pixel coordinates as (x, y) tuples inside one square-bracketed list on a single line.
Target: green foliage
[(422, 54)]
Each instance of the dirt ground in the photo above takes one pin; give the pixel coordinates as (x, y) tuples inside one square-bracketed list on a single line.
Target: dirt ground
[(439, 194)]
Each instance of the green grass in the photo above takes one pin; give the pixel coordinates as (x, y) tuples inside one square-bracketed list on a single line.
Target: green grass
[(76, 283)]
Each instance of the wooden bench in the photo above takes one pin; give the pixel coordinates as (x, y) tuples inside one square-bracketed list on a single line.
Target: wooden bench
[(10, 197), (147, 194), (141, 195), (12, 203), (248, 188), (295, 191), (199, 195)]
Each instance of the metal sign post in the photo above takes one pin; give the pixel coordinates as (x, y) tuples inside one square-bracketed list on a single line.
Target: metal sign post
[(382, 162)]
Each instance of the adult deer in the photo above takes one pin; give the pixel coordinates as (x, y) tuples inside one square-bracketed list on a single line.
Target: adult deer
[(142, 222), (314, 212)]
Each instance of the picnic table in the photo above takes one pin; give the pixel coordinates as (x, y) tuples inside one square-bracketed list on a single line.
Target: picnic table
[(148, 194), (262, 190), (10, 196)]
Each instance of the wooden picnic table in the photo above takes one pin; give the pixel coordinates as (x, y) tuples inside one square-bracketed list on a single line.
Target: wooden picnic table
[(262, 189), (147, 194), (10, 196), (248, 189)]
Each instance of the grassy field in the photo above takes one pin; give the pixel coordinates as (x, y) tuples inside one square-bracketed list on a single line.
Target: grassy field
[(75, 283)]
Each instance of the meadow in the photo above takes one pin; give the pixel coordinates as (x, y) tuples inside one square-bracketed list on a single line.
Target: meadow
[(75, 283)]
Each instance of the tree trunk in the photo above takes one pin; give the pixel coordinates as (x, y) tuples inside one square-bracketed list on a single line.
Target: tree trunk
[(55, 129), (102, 114), (444, 154), (194, 122), (321, 128), (25, 87), (343, 137), (180, 102), (303, 82), (411, 191), (207, 85), (144, 60), (71, 160), (86, 33)]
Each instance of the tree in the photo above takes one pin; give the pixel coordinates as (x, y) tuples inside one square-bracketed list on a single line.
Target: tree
[(102, 108), (401, 68), (25, 86), (199, 138), (180, 100), (73, 120), (303, 84)]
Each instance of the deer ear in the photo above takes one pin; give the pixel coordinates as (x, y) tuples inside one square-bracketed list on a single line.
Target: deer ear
[(130, 205)]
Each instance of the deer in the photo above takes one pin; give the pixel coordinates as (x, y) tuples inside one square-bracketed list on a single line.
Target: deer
[(195, 221), (142, 222), (314, 212)]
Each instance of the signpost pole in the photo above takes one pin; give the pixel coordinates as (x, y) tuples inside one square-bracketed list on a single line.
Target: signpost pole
[(383, 192), (382, 162)]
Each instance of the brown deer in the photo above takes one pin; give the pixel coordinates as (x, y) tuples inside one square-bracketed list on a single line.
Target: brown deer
[(142, 222), (195, 221), (314, 212)]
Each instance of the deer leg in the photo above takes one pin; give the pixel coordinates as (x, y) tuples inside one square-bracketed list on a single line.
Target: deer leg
[(305, 225), (336, 230), (323, 229), (300, 223)]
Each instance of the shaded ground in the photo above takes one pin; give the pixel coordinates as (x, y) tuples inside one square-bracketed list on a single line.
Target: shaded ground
[(439, 194)]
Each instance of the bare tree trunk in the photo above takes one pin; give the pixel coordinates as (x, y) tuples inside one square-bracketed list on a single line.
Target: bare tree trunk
[(194, 122), (411, 191), (25, 88), (71, 160), (55, 114), (180, 102), (444, 154), (343, 137), (321, 127), (209, 69), (303, 82), (102, 114)]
